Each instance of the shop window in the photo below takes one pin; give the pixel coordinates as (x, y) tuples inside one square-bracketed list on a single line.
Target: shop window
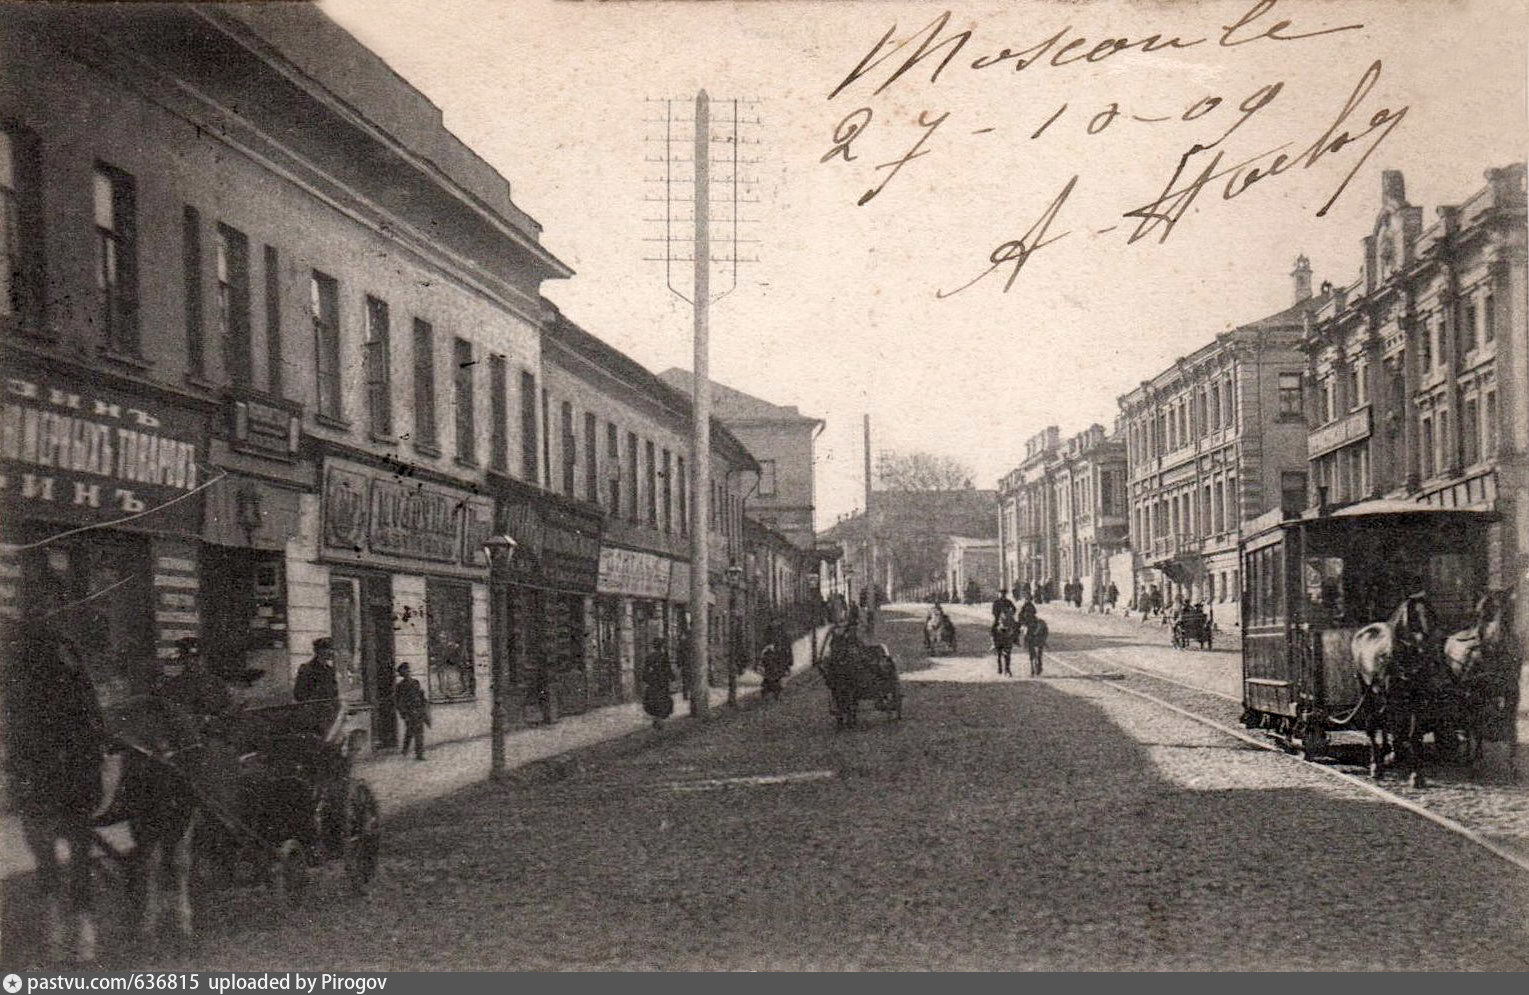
[(99, 588), (449, 637), (115, 201)]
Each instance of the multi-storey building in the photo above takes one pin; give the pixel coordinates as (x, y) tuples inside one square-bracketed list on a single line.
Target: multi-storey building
[(1027, 515), (617, 450), (1088, 477), (273, 367), (781, 439), (1217, 439), (1410, 394), (268, 304), (1419, 366)]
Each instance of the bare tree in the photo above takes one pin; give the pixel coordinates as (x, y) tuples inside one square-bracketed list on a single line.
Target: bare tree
[(921, 471)]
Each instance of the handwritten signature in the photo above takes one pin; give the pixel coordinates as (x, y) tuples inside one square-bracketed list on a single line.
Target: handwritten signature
[(1163, 214)]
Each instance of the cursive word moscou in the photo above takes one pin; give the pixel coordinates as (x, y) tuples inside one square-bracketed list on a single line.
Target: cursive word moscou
[(1059, 49)]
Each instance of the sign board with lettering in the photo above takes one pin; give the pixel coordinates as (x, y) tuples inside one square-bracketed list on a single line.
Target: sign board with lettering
[(1350, 428), (373, 516), (557, 544), (96, 454), (639, 575)]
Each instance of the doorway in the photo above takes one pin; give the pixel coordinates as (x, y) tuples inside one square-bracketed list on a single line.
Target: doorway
[(361, 627)]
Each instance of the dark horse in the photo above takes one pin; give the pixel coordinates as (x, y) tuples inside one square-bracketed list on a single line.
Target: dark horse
[(1399, 670), (1485, 665), (1006, 633), (67, 778), (853, 671), (1036, 632)]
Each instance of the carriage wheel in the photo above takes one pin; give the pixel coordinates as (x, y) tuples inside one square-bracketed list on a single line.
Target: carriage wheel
[(363, 835), (293, 859)]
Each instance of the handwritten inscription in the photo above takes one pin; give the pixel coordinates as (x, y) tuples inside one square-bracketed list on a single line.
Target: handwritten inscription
[(1344, 141)]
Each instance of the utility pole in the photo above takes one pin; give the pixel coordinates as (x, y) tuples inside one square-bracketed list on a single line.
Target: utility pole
[(696, 247), (870, 540), (700, 406)]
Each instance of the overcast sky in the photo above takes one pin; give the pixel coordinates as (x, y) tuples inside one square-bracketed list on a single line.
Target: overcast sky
[(844, 314)]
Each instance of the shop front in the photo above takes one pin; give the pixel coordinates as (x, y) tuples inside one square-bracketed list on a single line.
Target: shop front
[(405, 583), (639, 588), (251, 512), (100, 513), (545, 619)]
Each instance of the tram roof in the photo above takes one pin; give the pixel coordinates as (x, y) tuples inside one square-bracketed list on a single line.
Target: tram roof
[(1379, 508)]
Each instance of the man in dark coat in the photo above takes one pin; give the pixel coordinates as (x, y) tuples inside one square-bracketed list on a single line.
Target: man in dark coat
[(316, 682), (1001, 604), (195, 688), (657, 675), (413, 709)]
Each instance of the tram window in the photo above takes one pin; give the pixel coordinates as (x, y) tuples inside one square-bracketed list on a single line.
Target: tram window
[(1451, 580), (1323, 581)]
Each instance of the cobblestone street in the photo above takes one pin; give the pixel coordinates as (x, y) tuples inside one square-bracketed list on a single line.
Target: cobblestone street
[(1003, 823)]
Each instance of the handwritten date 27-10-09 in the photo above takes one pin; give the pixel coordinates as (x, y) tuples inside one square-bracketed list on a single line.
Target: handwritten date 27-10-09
[(1163, 214)]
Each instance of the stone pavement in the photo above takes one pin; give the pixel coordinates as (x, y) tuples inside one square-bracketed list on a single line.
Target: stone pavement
[(400, 781)]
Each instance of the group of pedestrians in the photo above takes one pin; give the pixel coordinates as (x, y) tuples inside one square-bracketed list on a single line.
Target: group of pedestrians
[(659, 672)]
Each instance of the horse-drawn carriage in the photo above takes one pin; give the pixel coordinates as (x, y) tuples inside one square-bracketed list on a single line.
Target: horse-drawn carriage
[(1317, 657), (856, 672), (293, 802), (939, 633), (241, 796), (1193, 625)]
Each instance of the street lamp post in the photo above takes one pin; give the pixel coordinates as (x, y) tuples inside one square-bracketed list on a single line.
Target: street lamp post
[(734, 635), (500, 550)]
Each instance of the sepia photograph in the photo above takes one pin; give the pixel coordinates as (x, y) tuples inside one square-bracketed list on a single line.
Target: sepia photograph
[(761, 485)]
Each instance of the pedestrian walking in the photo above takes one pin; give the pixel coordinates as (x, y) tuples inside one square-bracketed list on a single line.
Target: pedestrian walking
[(657, 676), (413, 709), (774, 665), (1111, 596)]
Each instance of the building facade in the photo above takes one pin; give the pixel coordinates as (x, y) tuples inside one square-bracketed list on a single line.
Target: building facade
[(274, 370), (618, 447), (1420, 367), (1089, 494), (1027, 515), (197, 278), (971, 567), (1213, 441), (781, 438)]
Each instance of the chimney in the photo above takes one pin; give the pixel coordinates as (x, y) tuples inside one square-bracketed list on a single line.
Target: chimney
[(1393, 189), (1302, 277)]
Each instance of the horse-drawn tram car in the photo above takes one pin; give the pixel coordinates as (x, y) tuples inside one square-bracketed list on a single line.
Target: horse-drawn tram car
[(1310, 583)]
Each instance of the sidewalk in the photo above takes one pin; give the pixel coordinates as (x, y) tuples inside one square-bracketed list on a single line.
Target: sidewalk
[(400, 781)]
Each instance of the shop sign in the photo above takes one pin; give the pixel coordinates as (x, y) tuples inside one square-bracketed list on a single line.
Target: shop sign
[(263, 425), (1350, 428), (554, 547), (372, 511), (92, 455), (637, 574)]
